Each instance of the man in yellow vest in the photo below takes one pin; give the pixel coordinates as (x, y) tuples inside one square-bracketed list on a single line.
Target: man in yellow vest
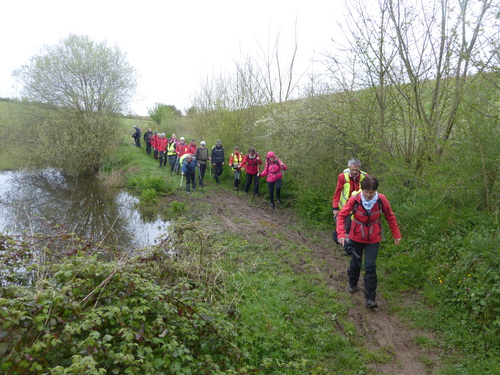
[(348, 181), (235, 164)]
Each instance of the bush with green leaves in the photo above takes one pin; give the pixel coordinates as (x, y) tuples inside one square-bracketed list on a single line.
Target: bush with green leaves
[(134, 314)]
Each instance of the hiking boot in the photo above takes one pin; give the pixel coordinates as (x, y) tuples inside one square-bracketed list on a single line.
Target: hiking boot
[(279, 200), (371, 304), (272, 205), (352, 288), (235, 188)]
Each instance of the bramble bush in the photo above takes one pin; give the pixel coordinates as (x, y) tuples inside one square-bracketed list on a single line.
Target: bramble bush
[(81, 313)]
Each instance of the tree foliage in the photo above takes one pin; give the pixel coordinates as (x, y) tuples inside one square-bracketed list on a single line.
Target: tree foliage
[(164, 112), (79, 74), (75, 90)]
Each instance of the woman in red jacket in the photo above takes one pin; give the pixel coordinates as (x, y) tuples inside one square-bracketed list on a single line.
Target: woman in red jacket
[(161, 145), (274, 172), (251, 163), (365, 234)]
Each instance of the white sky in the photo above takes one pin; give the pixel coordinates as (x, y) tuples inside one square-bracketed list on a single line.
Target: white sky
[(174, 45)]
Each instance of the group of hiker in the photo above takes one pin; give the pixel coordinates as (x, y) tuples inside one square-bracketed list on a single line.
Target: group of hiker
[(357, 207), (186, 158)]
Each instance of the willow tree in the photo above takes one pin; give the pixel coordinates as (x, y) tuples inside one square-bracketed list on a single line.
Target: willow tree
[(75, 89)]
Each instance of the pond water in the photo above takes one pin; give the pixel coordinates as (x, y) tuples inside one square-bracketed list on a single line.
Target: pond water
[(29, 200)]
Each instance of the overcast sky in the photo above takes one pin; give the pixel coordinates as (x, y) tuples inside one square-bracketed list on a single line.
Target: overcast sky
[(174, 45)]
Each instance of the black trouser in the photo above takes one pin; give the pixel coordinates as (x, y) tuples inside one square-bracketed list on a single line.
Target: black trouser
[(218, 169), (171, 161), (255, 183), (274, 185), (138, 142), (202, 170), (155, 153), (190, 180), (370, 278), (148, 148), (163, 158)]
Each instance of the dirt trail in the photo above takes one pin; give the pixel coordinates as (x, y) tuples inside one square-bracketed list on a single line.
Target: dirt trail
[(381, 330)]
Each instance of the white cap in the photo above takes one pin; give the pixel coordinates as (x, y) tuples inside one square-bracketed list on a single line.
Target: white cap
[(202, 143)]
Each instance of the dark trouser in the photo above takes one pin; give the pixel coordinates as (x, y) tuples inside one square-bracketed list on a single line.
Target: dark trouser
[(155, 153), (190, 180), (171, 161), (163, 158), (202, 170), (274, 185), (138, 142), (148, 148), (237, 176), (255, 183), (218, 169), (370, 278)]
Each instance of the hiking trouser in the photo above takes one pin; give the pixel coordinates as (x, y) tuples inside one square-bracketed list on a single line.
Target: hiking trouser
[(155, 153), (271, 186), (370, 278), (237, 176), (218, 169), (249, 182), (201, 171), (162, 158), (190, 180), (148, 148), (171, 161)]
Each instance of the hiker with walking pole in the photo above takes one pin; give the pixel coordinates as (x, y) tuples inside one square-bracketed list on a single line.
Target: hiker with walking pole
[(251, 164), (366, 208), (188, 169), (203, 159), (171, 154), (235, 164), (274, 171), (217, 157)]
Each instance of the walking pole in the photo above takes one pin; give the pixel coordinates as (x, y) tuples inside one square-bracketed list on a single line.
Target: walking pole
[(256, 184), (182, 177), (210, 169)]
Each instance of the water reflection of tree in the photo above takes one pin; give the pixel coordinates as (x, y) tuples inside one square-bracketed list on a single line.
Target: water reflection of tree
[(81, 203)]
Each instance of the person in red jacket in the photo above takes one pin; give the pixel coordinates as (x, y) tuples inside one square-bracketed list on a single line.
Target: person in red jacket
[(161, 143), (274, 171), (191, 148), (154, 141), (251, 164), (365, 234), (181, 149)]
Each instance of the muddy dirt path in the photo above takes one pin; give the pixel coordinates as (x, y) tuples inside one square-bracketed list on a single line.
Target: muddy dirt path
[(381, 330)]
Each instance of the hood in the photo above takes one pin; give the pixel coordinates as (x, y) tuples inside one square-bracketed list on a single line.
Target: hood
[(270, 154)]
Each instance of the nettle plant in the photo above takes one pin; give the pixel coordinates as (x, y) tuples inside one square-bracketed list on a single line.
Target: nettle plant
[(85, 309)]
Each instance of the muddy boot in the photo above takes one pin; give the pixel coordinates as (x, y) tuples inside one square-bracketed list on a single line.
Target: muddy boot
[(188, 187)]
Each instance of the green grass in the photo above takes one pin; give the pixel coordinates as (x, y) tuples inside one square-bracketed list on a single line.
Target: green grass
[(287, 317)]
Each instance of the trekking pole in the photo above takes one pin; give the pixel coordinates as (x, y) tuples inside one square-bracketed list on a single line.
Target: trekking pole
[(182, 177), (256, 187), (210, 169)]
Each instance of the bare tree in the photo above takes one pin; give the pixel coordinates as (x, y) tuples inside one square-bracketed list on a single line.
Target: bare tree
[(419, 57)]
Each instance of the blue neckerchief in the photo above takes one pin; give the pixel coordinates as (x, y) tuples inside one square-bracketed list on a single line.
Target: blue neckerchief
[(368, 205)]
